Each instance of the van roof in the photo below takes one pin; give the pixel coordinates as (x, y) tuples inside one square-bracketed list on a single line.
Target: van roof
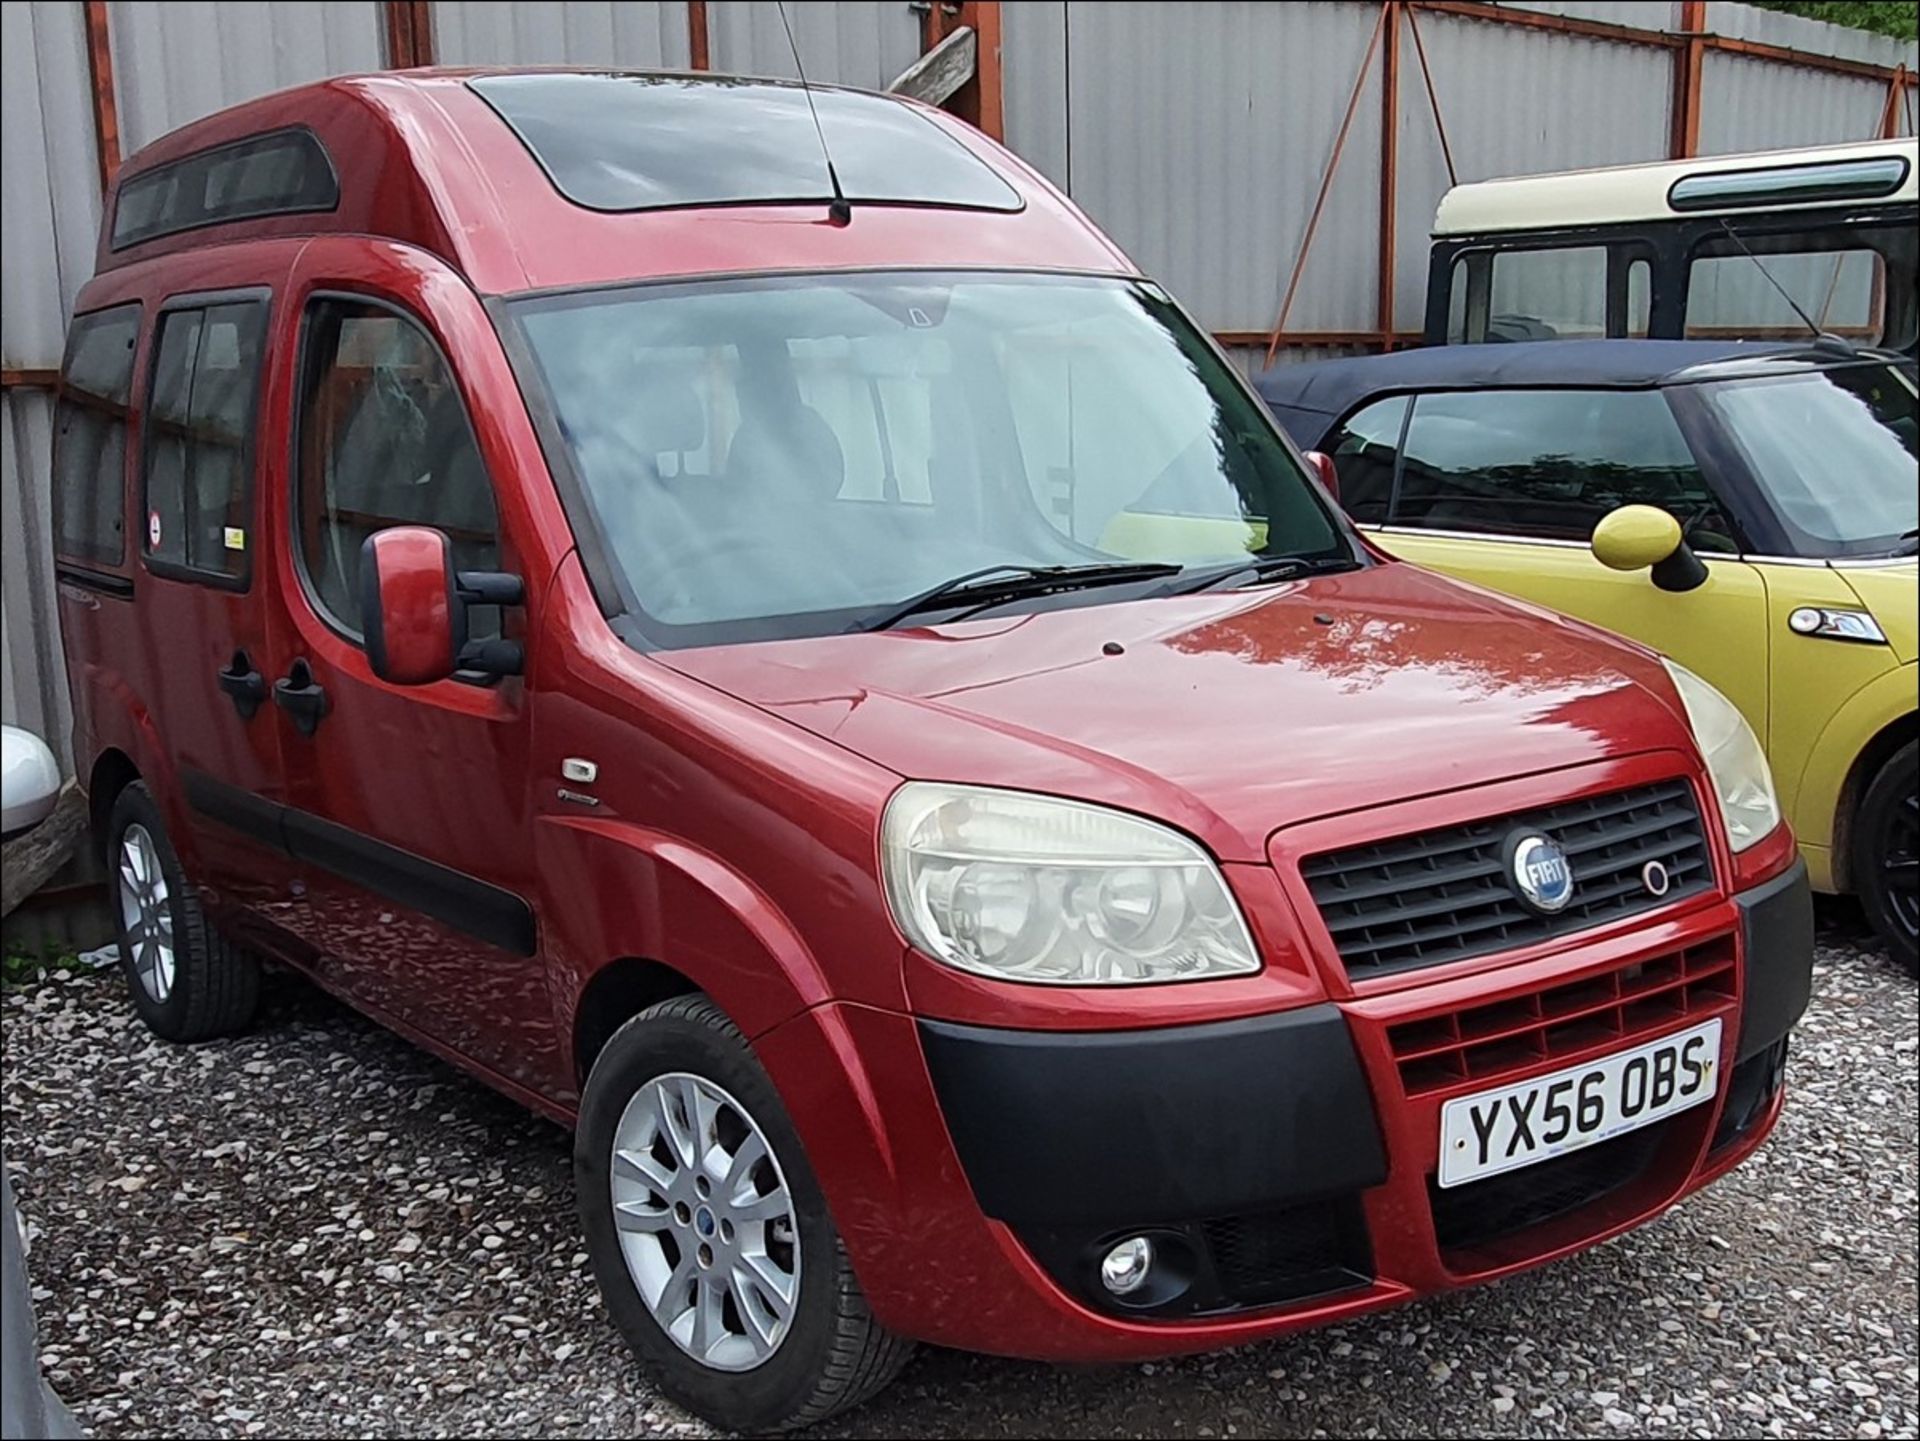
[(1724, 185), (552, 178)]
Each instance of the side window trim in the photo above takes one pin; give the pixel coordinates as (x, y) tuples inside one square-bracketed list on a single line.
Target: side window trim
[(295, 473), (205, 300), (108, 576)]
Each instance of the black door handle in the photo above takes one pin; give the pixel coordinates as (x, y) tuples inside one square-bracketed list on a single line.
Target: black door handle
[(243, 684), (302, 697)]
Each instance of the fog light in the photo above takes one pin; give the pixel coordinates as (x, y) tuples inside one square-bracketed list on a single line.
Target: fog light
[(1124, 1269)]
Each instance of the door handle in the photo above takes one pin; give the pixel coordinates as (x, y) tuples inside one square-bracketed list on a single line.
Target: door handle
[(301, 696), (243, 684)]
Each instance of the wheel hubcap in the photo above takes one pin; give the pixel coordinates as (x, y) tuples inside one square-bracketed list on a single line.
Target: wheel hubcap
[(146, 917), (1900, 864), (705, 1221)]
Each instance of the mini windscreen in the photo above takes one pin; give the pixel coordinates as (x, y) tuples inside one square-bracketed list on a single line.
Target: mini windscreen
[(1872, 179)]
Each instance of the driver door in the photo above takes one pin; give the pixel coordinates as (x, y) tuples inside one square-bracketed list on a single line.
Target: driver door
[(1503, 488)]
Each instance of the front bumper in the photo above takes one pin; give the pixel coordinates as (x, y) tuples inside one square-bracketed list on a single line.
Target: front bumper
[(977, 1173)]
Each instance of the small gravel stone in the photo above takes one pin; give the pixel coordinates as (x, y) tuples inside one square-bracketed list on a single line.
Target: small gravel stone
[(316, 1230)]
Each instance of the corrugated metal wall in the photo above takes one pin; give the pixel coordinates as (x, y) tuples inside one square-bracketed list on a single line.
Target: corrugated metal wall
[(850, 42), (176, 60), (1195, 134), (583, 32)]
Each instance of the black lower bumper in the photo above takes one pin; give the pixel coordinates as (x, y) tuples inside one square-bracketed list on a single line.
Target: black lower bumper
[(1777, 921), (1239, 1148)]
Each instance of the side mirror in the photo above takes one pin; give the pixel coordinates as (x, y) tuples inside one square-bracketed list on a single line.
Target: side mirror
[(1324, 467), (413, 605), (1645, 537)]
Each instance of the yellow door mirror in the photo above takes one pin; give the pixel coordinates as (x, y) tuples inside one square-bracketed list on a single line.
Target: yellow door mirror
[(1639, 537), (1635, 537)]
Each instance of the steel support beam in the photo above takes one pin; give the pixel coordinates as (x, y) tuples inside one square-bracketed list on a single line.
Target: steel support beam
[(106, 108), (409, 33), (1389, 163), (1689, 63), (699, 46)]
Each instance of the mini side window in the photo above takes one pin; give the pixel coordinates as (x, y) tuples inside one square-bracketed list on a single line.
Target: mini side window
[(199, 441), (1551, 463), (384, 440), (90, 437), (1365, 449)]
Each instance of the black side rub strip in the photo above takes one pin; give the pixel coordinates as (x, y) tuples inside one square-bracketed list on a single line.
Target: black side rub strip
[(486, 912)]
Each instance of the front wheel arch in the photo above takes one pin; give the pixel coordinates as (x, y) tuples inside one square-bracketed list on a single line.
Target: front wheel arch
[(1880, 749)]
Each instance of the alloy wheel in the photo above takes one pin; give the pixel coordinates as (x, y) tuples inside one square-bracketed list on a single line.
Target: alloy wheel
[(1900, 864), (706, 1221), (146, 918)]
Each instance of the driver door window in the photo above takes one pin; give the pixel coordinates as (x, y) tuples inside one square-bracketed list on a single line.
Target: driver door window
[(384, 440)]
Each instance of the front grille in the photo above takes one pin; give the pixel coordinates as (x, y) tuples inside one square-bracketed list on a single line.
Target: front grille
[(1483, 1211), (1444, 895), (1289, 1255), (1615, 1008)]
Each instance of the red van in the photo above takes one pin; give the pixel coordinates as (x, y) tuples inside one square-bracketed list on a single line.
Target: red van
[(805, 667)]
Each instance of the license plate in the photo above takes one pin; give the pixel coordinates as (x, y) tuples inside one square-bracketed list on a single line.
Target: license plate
[(1502, 1130)]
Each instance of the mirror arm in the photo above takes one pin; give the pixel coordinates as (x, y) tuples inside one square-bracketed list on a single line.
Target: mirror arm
[(1681, 571), (493, 657), (489, 587)]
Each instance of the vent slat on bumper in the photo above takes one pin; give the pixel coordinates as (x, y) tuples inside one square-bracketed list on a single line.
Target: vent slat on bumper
[(1442, 895)]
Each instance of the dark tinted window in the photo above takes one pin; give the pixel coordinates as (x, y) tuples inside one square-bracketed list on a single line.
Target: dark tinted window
[(199, 491), (1550, 463), (1364, 450), (90, 441), (641, 142), (384, 441), (272, 175)]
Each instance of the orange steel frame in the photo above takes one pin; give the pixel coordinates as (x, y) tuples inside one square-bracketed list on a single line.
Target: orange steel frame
[(408, 26)]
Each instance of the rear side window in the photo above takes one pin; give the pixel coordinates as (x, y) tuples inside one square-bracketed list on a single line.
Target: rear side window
[(1550, 463), (384, 440), (1365, 450), (280, 174), (90, 437), (200, 409)]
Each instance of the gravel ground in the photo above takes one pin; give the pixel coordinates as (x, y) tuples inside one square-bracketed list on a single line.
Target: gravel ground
[(316, 1230)]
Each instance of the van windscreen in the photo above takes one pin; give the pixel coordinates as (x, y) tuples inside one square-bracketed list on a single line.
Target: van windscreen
[(650, 142)]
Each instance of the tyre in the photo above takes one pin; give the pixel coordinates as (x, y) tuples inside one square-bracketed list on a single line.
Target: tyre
[(709, 1236), (1886, 855), (187, 983)]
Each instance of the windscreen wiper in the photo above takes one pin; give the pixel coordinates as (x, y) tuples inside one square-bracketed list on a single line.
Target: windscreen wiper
[(994, 583), (1265, 569)]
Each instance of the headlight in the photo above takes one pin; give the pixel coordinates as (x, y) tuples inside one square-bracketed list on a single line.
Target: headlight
[(1734, 759), (1028, 888)]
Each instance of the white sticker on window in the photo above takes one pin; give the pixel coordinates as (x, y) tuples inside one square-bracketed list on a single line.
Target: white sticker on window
[(153, 530), (236, 538)]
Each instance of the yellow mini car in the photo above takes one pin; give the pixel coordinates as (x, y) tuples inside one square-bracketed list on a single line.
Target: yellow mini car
[(1748, 509)]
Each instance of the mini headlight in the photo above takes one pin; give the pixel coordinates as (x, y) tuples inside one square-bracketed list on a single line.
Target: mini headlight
[(1033, 888), (1734, 759)]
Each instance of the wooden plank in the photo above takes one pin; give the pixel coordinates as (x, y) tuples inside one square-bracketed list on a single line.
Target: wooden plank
[(106, 106), (28, 861), (938, 75), (28, 378)]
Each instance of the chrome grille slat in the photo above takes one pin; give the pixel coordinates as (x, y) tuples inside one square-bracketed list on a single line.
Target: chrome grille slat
[(1442, 895)]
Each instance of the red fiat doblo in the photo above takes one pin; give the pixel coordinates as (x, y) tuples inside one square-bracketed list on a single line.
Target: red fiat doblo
[(821, 679)]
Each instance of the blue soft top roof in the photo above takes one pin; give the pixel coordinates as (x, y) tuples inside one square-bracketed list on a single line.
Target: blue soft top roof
[(1305, 397)]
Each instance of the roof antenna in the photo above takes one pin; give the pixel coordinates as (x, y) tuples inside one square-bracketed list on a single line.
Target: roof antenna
[(840, 209), (1815, 331)]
